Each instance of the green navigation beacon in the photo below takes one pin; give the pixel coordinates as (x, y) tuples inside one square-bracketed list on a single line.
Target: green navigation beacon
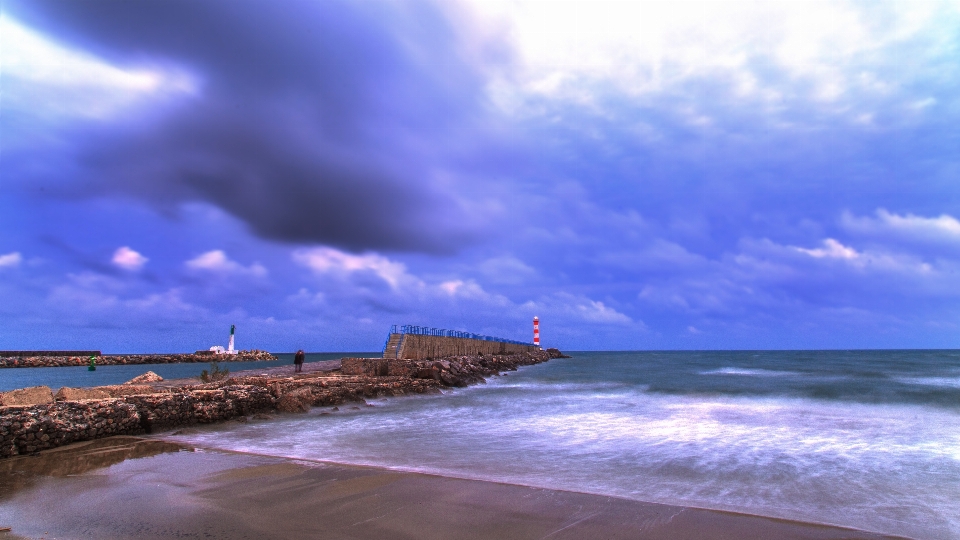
[(93, 364)]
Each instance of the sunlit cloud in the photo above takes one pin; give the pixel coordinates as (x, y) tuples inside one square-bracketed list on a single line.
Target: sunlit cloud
[(10, 259), (128, 259), (644, 47), (217, 261), (831, 250), (942, 227), (50, 79), (328, 260)]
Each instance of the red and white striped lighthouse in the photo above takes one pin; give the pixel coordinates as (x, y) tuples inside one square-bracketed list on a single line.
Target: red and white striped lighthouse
[(536, 331)]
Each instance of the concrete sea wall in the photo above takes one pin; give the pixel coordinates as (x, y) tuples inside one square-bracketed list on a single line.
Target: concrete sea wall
[(420, 347)]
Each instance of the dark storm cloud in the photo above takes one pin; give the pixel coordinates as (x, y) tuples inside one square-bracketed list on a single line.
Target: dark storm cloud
[(314, 122)]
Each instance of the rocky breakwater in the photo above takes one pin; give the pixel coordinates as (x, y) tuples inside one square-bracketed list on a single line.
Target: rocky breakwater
[(449, 371), (35, 419), (124, 359), (32, 419)]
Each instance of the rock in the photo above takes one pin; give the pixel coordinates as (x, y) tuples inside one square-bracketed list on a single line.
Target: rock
[(427, 373), (450, 380), (76, 394), (36, 395), (298, 400), (555, 353), (148, 377), (372, 367), (121, 390)]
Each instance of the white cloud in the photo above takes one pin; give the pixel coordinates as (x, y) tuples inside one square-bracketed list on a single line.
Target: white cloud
[(875, 260), (943, 227), (470, 289), (217, 261), (128, 259), (10, 259), (832, 250), (327, 260), (577, 307), (506, 269), (650, 47)]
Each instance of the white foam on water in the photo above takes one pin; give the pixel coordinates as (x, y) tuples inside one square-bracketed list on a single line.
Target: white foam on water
[(946, 382), (888, 468), (748, 372)]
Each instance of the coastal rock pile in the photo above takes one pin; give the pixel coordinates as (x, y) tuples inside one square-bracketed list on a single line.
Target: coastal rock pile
[(148, 377), (24, 430), (78, 394), (199, 406), (113, 360), (35, 395)]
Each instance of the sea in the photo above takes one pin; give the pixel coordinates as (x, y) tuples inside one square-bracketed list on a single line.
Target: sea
[(867, 439)]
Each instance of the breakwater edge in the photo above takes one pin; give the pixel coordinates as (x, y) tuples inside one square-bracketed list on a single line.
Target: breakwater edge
[(35, 419)]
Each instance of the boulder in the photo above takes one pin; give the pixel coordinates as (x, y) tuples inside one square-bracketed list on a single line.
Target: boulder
[(298, 400), (431, 372), (36, 395), (76, 394), (146, 378), (372, 367)]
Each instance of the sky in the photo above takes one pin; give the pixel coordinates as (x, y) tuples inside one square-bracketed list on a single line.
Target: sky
[(639, 175)]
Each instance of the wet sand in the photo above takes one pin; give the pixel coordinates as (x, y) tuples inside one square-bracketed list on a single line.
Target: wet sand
[(128, 487)]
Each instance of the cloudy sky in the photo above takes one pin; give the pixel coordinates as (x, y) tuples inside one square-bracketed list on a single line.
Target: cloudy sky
[(640, 175)]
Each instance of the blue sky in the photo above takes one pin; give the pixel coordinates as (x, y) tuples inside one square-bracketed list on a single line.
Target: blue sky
[(640, 175)]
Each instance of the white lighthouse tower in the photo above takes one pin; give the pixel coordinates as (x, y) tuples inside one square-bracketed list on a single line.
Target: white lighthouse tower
[(230, 349)]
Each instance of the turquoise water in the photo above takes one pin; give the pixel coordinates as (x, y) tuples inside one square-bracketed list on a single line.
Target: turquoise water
[(867, 439), (75, 377)]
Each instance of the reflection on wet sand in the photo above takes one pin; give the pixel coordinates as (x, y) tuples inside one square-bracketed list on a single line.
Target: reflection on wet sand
[(21, 472)]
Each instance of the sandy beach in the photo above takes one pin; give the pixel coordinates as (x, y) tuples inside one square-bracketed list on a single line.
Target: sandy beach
[(126, 487)]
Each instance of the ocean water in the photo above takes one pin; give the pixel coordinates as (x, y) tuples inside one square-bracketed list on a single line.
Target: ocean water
[(80, 376), (867, 439)]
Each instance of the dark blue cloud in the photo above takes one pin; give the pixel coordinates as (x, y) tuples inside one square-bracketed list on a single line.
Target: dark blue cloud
[(314, 121)]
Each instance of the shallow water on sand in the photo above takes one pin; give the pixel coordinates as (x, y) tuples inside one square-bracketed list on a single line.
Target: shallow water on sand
[(867, 439)]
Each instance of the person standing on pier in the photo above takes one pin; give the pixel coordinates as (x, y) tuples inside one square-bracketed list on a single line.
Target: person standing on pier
[(298, 361)]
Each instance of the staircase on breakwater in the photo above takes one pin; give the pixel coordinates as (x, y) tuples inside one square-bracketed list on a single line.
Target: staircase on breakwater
[(393, 347)]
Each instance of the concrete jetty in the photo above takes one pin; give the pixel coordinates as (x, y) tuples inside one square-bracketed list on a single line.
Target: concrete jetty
[(419, 343)]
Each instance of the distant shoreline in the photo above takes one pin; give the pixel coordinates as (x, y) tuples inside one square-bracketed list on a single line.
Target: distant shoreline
[(128, 359)]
